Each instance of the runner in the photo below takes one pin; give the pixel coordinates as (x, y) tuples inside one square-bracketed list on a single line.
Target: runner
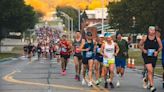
[(98, 59), (43, 49), (25, 48), (51, 51), (109, 50), (57, 52), (65, 53), (150, 45), (30, 47), (47, 49), (121, 57), (54, 50), (87, 47), (39, 51), (77, 54)]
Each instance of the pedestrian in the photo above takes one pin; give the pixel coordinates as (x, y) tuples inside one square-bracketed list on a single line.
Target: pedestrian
[(109, 50), (121, 57), (30, 48), (64, 53), (98, 62), (25, 48), (88, 54), (39, 51), (150, 46), (78, 54)]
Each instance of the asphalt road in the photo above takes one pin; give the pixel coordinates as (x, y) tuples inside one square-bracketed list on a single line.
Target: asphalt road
[(22, 75)]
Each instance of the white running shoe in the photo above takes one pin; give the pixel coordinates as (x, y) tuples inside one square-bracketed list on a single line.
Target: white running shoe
[(97, 82), (90, 84), (118, 84), (153, 89), (83, 82), (145, 84)]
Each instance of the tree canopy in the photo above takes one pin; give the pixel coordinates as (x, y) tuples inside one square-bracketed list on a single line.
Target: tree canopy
[(16, 16), (145, 12)]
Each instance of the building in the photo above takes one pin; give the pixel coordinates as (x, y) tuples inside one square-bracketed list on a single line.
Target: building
[(97, 13)]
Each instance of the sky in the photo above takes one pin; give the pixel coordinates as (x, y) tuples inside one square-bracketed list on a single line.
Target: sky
[(46, 6)]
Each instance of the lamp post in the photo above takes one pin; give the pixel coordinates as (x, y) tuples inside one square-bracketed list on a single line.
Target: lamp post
[(71, 28), (79, 19), (102, 30), (133, 27), (69, 24)]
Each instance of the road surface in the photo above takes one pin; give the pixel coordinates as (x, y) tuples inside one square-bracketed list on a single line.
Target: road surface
[(22, 75)]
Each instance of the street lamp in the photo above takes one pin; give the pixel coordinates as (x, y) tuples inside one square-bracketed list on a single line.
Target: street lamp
[(69, 18), (134, 23), (133, 28), (102, 31), (79, 18), (72, 29)]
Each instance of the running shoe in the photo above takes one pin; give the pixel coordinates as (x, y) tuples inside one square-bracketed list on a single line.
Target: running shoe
[(118, 84), (83, 82), (152, 89), (106, 85), (76, 77), (90, 84), (145, 84), (64, 73), (111, 85), (97, 82)]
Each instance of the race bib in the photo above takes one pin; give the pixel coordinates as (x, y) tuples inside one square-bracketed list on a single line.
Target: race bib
[(105, 61), (39, 50), (89, 54), (77, 50), (63, 49), (98, 50), (150, 52)]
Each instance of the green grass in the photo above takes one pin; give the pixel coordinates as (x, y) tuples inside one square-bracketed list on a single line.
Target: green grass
[(136, 54), (17, 51), (159, 70), (7, 55)]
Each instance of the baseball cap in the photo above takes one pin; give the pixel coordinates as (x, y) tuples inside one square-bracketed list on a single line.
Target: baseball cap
[(100, 35), (151, 27), (107, 35)]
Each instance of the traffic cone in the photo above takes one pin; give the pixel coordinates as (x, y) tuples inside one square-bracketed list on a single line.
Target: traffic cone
[(129, 63), (133, 64)]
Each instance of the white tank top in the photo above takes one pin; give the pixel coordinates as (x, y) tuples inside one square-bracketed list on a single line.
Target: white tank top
[(43, 48), (109, 50)]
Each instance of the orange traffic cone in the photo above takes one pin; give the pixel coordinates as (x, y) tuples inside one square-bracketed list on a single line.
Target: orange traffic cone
[(133, 64), (129, 63)]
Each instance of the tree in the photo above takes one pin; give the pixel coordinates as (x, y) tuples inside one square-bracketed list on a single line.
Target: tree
[(70, 11), (16, 16), (146, 12)]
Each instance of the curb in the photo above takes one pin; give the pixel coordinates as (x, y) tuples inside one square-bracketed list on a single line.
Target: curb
[(7, 59)]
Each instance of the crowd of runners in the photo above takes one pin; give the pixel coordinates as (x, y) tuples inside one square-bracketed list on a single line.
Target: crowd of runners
[(99, 56)]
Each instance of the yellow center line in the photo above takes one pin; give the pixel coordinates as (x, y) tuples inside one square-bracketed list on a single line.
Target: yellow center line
[(95, 87), (9, 78), (104, 89)]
